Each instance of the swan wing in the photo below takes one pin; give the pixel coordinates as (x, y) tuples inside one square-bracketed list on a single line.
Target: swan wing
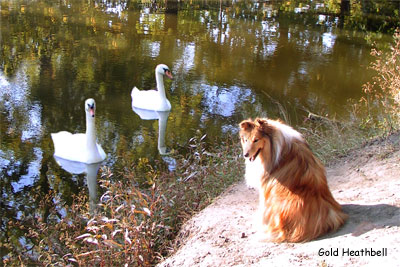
[(101, 152), (70, 146), (144, 95), (149, 99)]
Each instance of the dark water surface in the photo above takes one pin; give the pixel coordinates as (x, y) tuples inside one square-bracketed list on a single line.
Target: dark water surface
[(230, 62)]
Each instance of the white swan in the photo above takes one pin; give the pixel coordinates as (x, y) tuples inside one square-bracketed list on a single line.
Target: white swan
[(80, 147), (153, 99)]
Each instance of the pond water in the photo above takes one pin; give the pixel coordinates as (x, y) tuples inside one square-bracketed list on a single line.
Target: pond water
[(230, 61)]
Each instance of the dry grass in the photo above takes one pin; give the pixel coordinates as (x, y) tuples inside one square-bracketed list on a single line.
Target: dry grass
[(132, 225), (382, 95), (377, 113)]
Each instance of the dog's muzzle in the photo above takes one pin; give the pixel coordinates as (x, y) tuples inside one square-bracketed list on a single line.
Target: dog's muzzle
[(254, 156)]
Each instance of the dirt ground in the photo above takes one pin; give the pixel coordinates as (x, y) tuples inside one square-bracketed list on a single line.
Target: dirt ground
[(367, 184)]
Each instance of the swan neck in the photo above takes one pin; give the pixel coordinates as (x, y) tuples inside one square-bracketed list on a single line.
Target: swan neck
[(90, 132), (160, 85)]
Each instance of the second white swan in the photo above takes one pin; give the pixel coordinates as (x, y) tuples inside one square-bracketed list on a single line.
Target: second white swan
[(153, 99)]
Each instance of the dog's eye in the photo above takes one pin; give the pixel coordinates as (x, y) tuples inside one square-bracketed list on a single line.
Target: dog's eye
[(255, 140)]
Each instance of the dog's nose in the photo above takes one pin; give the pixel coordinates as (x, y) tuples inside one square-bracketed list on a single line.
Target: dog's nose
[(246, 155)]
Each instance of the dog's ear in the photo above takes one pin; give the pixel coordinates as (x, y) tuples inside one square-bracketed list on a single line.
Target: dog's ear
[(261, 122), (263, 125), (246, 125)]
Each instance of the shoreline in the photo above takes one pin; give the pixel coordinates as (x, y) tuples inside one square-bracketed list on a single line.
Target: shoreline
[(365, 183)]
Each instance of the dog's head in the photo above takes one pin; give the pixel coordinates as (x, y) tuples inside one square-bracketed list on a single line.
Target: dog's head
[(255, 136)]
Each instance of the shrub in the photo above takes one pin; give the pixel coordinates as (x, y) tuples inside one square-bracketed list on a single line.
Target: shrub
[(382, 95)]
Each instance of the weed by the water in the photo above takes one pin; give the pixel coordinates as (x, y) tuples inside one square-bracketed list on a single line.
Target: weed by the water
[(377, 113), (382, 95), (132, 225)]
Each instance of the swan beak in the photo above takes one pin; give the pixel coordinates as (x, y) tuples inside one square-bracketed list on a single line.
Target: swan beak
[(169, 74), (91, 112)]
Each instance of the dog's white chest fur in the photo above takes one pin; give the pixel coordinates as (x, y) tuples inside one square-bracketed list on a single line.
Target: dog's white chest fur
[(254, 173)]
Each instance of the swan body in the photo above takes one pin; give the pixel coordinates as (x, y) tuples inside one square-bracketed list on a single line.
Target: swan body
[(80, 147), (153, 99)]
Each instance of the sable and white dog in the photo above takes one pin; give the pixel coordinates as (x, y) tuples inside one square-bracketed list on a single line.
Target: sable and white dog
[(296, 204)]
